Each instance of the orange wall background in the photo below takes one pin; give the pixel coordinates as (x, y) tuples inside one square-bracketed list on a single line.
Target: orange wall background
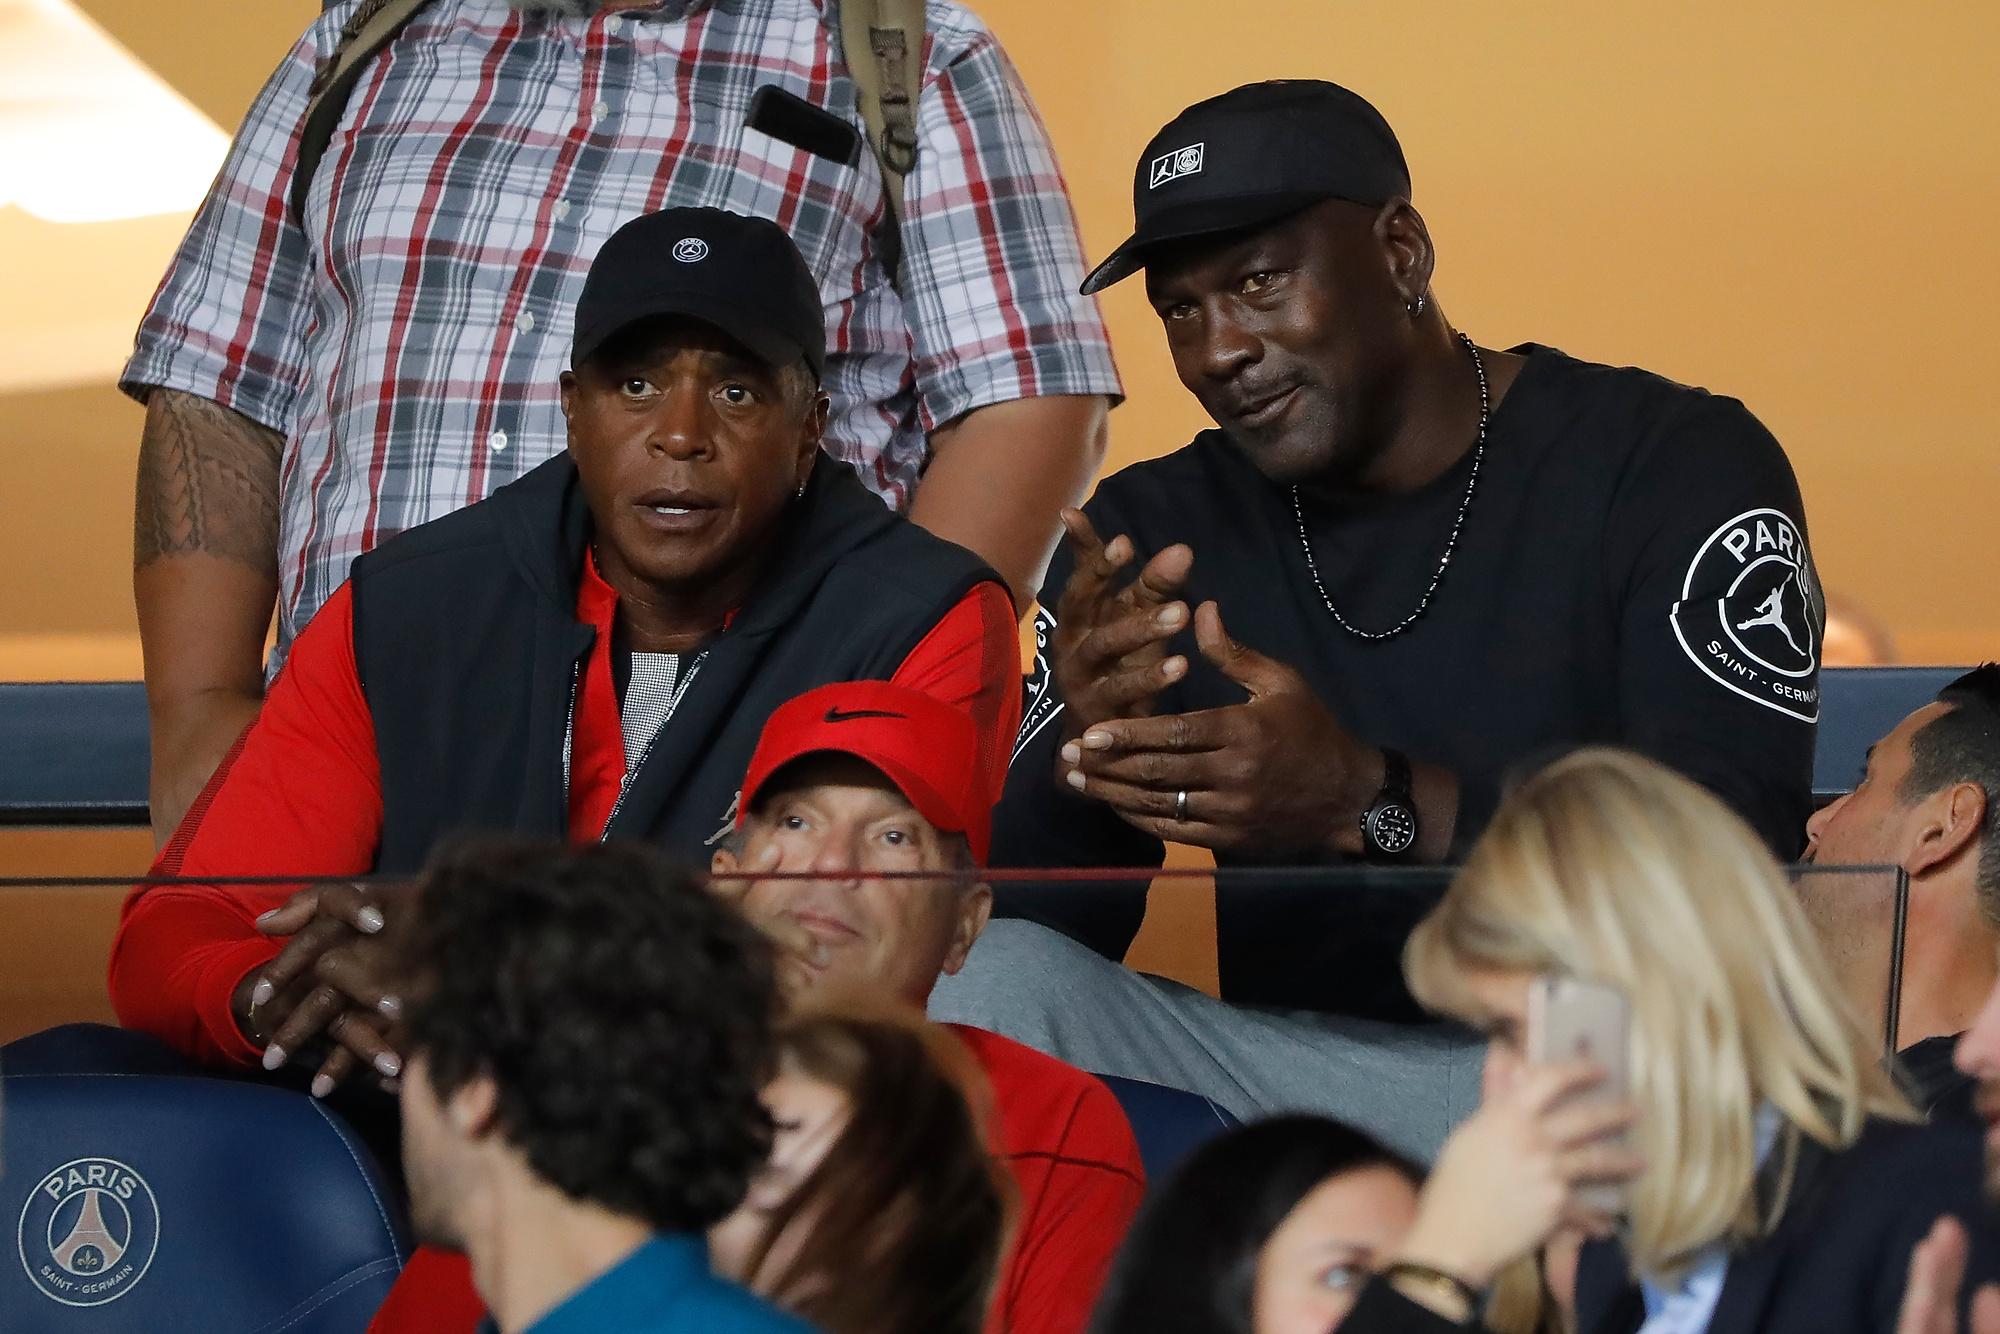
[(1791, 203)]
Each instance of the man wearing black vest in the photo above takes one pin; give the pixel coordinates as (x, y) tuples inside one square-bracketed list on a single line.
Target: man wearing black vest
[(590, 653), (1402, 566)]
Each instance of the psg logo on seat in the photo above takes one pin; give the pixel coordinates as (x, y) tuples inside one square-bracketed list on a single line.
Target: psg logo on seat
[(88, 1231)]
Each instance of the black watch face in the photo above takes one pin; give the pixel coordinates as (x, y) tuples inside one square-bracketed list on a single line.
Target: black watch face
[(1392, 829)]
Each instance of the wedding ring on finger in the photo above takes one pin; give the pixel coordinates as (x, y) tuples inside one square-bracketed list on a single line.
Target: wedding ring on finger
[(1180, 807)]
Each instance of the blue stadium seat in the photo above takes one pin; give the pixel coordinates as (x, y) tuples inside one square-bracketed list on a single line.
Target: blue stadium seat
[(153, 1203), (77, 753), (1858, 706), (1169, 1123), (73, 753)]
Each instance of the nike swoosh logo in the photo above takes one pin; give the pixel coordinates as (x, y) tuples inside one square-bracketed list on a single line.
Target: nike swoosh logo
[(836, 716)]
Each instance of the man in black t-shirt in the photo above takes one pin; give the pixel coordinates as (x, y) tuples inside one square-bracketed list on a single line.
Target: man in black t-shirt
[(1402, 566)]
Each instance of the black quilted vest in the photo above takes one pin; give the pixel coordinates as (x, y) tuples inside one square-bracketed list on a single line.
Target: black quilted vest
[(468, 649)]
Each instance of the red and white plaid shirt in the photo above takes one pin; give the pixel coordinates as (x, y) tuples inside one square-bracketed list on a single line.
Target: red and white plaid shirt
[(407, 340)]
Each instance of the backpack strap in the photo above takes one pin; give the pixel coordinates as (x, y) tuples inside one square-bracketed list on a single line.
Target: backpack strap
[(369, 29), (882, 43)]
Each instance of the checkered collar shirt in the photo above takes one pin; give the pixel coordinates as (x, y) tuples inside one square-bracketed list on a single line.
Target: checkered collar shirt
[(407, 339)]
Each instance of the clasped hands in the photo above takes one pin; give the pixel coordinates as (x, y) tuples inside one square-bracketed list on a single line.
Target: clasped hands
[(1276, 773), (326, 996)]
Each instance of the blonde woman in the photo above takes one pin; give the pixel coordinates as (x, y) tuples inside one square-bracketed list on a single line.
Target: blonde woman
[(1785, 1178)]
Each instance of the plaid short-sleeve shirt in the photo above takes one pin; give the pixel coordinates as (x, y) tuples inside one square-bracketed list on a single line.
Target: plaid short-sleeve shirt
[(407, 340)]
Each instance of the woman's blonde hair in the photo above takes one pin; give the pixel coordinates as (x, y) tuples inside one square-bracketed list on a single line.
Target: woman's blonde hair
[(1607, 866)]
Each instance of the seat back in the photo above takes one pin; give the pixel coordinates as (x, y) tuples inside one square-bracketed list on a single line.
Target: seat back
[(1169, 1123), (73, 752), (144, 1203), (1858, 706)]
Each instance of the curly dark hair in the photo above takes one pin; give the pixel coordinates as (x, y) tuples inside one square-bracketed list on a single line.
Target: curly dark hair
[(623, 1012)]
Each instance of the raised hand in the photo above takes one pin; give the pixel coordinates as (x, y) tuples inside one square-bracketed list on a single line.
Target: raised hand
[(1109, 650), (1508, 1177), (800, 955), (1277, 773), (1937, 1268), (329, 984)]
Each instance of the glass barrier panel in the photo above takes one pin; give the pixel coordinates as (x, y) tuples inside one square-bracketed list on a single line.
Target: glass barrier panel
[(1325, 939), (1858, 912)]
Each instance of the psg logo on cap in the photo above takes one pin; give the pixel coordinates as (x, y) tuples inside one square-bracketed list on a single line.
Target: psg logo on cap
[(1172, 166), (88, 1232), (690, 250)]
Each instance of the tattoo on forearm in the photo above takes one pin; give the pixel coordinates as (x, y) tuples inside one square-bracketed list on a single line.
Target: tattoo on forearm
[(208, 482)]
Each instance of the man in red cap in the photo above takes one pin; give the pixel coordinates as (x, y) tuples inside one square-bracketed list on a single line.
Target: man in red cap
[(861, 778), (848, 782)]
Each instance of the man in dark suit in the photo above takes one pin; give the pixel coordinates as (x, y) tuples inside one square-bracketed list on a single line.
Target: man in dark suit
[(1937, 1266)]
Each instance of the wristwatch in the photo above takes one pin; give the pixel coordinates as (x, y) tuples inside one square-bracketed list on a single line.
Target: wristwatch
[(1389, 829)]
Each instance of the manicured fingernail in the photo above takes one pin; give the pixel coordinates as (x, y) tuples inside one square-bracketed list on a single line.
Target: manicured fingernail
[(1072, 753), (1096, 740), (391, 1085), (1173, 667), (322, 1085), (264, 918), (387, 1064), (274, 1056), (262, 992), (1076, 779), (371, 920), (390, 1005), (821, 956), (1172, 616)]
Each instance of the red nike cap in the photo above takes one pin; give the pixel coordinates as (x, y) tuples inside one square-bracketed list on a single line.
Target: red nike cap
[(927, 748)]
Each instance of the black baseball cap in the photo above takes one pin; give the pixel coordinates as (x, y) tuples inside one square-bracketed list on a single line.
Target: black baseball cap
[(742, 275), (1255, 155)]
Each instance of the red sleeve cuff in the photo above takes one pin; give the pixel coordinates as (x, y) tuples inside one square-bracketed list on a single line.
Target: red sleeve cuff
[(219, 977)]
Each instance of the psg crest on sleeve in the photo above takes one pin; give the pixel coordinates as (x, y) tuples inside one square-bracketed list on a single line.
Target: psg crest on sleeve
[(88, 1231), (1751, 613)]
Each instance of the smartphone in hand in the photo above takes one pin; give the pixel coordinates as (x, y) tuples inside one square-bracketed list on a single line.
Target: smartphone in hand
[(1570, 1019)]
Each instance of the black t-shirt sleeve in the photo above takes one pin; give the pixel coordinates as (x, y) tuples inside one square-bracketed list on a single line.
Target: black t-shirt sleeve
[(1720, 614), (1038, 823)]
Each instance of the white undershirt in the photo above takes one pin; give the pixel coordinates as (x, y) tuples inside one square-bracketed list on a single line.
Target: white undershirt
[(652, 693)]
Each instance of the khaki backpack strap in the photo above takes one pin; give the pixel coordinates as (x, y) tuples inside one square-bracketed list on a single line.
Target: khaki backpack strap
[(882, 42), (369, 28)]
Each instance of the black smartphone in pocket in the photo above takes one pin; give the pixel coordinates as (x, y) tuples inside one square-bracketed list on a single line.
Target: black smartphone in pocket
[(791, 119)]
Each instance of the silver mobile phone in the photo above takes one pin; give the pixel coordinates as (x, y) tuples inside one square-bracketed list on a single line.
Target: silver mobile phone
[(1570, 1019)]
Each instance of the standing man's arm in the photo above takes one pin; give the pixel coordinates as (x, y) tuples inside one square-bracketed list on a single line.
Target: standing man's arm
[(1000, 476), (205, 578), (1012, 366), (220, 362)]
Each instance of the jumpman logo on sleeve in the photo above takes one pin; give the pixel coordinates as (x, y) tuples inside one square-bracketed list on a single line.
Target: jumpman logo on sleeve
[(1771, 611)]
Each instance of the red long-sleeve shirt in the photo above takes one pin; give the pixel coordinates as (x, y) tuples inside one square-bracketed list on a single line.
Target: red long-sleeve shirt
[(1059, 1130), (300, 794)]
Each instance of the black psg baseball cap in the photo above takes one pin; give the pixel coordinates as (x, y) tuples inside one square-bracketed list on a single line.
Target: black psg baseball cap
[(1254, 155), (742, 275)]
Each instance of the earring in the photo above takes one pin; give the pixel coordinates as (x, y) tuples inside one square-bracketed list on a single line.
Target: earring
[(1416, 307), (801, 492)]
